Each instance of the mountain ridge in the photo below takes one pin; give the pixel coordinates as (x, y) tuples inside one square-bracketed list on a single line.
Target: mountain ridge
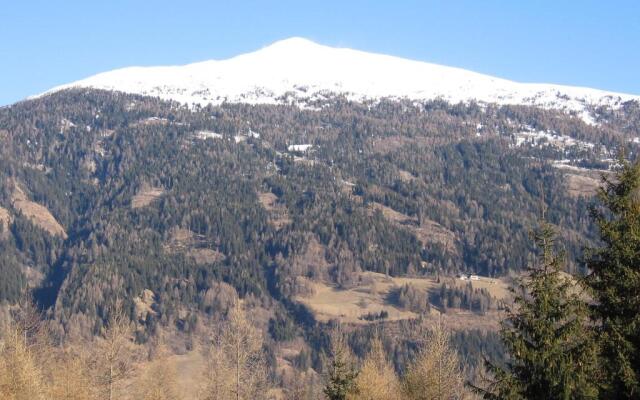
[(301, 71)]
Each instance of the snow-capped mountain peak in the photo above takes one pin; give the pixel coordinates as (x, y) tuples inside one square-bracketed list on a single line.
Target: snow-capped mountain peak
[(306, 70)]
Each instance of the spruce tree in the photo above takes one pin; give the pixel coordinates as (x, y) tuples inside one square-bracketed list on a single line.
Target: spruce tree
[(551, 353), (341, 372), (615, 281)]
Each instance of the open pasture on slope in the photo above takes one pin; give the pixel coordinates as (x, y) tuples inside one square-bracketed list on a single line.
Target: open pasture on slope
[(373, 294)]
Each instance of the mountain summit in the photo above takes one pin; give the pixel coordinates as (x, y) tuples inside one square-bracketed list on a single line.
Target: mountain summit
[(301, 70)]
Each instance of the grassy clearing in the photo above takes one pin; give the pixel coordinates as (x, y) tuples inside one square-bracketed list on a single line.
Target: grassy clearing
[(426, 232), (498, 288), (372, 295), (5, 219), (193, 246), (581, 185), (146, 196), (278, 215), (37, 213)]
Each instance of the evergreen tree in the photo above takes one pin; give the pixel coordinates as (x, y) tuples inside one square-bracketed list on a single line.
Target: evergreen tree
[(615, 281), (341, 372), (552, 354)]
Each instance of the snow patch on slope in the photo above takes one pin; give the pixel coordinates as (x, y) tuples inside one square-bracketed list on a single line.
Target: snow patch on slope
[(543, 138)]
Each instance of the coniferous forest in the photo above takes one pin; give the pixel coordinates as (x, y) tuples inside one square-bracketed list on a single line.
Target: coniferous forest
[(343, 250)]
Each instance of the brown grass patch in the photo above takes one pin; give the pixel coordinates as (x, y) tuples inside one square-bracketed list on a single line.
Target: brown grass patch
[(278, 213), (349, 305), (180, 238), (41, 217), (391, 143), (38, 214), (427, 232), (304, 161), (189, 372), (498, 288), (346, 186), (405, 176), (372, 294), (146, 196), (582, 185), (205, 256), (194, 246), (5, 220), (189, 369), (369, 296)]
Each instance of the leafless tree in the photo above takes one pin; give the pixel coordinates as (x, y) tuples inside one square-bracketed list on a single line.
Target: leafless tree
[(114, 353), (436, 373), (236, 363), (377, 379), (70, 375), (20, 375)]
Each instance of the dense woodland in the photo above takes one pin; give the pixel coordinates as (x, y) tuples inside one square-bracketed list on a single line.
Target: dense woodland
[(160, 208)]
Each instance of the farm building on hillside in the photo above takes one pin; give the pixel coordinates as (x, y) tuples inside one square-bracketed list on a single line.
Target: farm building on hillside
[(468, 277)]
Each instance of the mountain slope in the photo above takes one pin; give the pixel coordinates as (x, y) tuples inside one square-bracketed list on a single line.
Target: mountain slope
[(301, 70), (178, 210)]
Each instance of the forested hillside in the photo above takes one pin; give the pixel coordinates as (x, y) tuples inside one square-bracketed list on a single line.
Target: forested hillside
[(176, 211)]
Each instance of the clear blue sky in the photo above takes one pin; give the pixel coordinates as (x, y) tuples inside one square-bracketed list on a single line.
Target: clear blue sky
[(585, 42)]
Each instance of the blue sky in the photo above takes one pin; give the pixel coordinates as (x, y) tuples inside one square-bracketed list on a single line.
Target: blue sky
[(585, 43)]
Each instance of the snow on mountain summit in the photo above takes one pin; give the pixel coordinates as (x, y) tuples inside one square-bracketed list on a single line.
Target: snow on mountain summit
[(303, 70)]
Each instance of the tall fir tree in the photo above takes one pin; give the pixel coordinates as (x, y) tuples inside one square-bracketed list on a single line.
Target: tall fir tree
[(615, 280), (341, 370), (551, 352)]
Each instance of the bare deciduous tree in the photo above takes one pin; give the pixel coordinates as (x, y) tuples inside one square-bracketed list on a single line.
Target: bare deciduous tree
[(20, 375), (218, 374), (114, 354), (435, 374), (70, 377), (377, 379), (236, 363)]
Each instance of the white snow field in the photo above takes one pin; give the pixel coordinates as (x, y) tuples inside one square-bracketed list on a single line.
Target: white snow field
[(299, 70)]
